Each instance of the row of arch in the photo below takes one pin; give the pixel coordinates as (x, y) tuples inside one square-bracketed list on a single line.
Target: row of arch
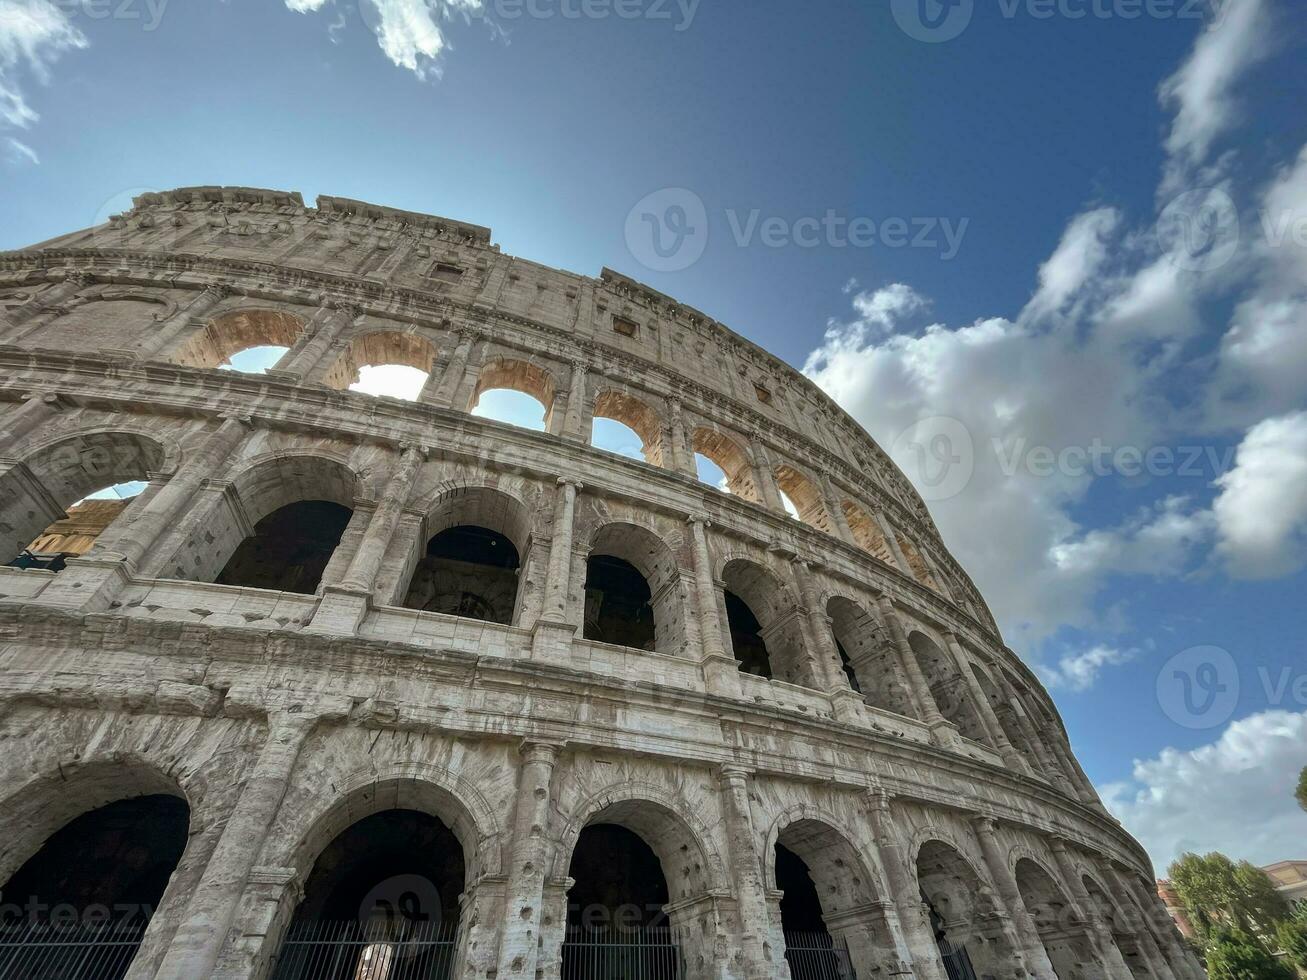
[(410, 365), (390, 870), (288, 522)]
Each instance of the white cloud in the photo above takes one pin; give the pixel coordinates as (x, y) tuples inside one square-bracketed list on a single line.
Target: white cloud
[(1076, 261), (411, 33), (1079, 671), (1233, 795), (33, 34), (395, 380), (1261, 511), (19, 153), (1201, 92)]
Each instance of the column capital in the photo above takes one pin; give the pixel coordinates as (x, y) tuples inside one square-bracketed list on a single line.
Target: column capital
[(983, 824), (571, 481), (244, 418), (407, 447), (733, 773), (878, 799), (701, 520), (532, 752)]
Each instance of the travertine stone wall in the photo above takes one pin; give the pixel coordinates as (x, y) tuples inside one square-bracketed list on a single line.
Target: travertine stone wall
[(281, 719)]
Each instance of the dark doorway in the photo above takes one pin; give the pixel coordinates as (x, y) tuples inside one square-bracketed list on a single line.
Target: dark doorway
[(618, 604), (79, 907), (289, 549), (616, 927), (957, 964), (467, 571), (381, 903), (810, 950), (746, 637)]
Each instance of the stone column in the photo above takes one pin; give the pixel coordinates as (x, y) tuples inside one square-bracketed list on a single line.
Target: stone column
[(18, 322), (766, 477), (680, 456), (168, 332), (721, 673), (573, 423), (1178, 957), (35, 410), (553, 633), (944, 732), (1052, 767), (1028, 940), (845, 702), (998, 737), (834, 506), (905, 891), (892, 539), (452, 379), (209, 914), (320, 334), (89, 582), (519, 943), (760, 958), (1111, 961), (1148, 946)]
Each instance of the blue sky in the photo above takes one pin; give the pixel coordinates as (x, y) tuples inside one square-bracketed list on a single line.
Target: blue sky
[(1102, 252)]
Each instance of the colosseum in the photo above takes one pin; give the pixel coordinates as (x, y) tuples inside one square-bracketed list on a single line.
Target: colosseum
[(301, 681)]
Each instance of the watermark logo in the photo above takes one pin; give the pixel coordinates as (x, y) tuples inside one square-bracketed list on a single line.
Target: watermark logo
[(1198, 688), (932, 21), (1199, 229), (667, 231), (938, 455)]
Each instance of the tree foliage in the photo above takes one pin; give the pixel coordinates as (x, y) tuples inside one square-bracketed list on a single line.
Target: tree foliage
[(1300, 794), (1291, 937), (1234, 955), (1218, 894)]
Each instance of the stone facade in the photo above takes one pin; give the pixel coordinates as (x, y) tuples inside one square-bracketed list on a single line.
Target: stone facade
[(283, 718)]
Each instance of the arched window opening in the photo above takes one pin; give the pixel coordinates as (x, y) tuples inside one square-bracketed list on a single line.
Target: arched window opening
[(618, 603), (810, 949), (1007, 716), (729, 459), (867, 532), (747, 644), (289, 549), (88, 894), (846, 665), (710, 473), (626, 425), (1066, 941), (616, 926), (869, 657), (249, 341), (515, 392), (948, 687), (467, 571), (1126, 940), (61, 501), (385, 362), (968, 933), (381, 903), (802, 498)]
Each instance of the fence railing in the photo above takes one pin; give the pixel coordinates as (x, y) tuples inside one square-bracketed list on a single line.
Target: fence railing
[(398, 950), (817, 956), (42, 951), (621, 954), (957, 963)]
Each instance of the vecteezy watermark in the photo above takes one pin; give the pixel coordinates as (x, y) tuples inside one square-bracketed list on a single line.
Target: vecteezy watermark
[(1199, 229), (149, 13), (936, 21), (668, 230), (1198, 688), (1099, 459), (679, 14), (938, 454)]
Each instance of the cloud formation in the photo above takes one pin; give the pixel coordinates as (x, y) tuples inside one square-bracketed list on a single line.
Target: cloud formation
[(1079, 671), (33, 34), (1262, 508)]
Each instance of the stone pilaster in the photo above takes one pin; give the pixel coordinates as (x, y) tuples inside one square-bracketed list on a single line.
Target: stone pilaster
[(720, 670), (38, 408), (998, 737), (761, 956), (190, 316), (321, 334), (19, 322), (942, 730), (1111, 961), (1027, 936), (553, 632)]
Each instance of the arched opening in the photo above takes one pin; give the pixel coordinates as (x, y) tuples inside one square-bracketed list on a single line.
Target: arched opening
[(86, 897), (1007, 716), (968, 930), (765, 631), (626, 425), (249, 341), (385, 362), (829, 914), (467, 571), (382, 902), (805, 503), (1063, 935), (95, 476), (1119, 924), (515, 392), (632, 590), (916, 563), (726, 458), (867, 532), (948, 687), (289, 549), (868, 656)]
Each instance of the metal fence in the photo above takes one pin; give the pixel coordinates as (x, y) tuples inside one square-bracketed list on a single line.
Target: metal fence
[(816, 956), (351, 951), (621, 954), (957, 964), (43, 951)]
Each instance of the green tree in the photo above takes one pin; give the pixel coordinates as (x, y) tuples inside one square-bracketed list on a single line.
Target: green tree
[(1234, 955), (1218, 894), (1291, 937), (1300, 794)]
